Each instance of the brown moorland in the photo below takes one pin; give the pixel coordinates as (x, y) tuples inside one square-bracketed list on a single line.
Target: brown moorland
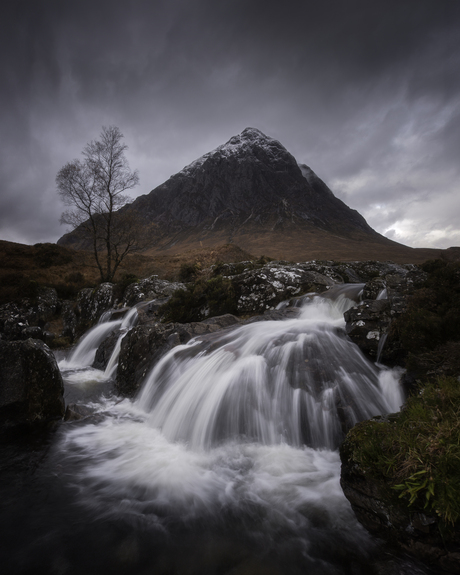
[(24, 267)]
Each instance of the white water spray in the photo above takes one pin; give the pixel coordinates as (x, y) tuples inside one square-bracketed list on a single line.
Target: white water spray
[(221, 426), (297, 382), (77, 368)]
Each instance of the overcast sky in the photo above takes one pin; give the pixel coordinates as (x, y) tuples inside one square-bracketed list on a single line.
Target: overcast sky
[(366, 92)]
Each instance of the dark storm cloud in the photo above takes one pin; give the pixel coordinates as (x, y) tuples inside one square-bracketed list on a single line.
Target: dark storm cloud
[(366, 93)]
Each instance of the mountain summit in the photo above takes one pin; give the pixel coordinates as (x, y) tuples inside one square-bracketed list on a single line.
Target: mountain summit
[(252, 192), (252, 179)]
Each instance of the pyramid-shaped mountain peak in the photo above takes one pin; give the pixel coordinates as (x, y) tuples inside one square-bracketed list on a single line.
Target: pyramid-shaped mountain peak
[(250, 179), (247, 146), (252, 192), (253, 136)]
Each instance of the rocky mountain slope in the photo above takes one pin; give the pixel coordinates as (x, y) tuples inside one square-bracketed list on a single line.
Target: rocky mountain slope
[(252, 192)]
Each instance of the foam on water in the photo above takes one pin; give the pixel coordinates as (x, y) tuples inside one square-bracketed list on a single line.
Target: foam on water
[(133, 469), (239, 429)]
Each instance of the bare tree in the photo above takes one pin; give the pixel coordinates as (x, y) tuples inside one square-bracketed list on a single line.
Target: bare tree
[(94, 191)]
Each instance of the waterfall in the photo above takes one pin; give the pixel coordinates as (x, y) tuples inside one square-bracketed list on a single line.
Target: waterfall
[(383, 294), (85, 352), (235, 435), (77, 368), (297, 382)]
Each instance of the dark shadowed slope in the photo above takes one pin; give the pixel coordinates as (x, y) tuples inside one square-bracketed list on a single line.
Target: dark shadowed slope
[(252, 192)]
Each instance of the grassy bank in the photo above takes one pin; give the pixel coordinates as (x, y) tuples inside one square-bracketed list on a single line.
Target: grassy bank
[(416, 453)]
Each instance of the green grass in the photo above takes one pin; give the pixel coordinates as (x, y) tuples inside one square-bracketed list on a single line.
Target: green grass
[(417, 452)]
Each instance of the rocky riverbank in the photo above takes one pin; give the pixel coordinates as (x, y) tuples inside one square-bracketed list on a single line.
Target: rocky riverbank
[(400, 309), (401, 473), (246, 289)]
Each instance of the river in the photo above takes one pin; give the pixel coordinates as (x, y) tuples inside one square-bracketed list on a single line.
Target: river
[(226, 462)]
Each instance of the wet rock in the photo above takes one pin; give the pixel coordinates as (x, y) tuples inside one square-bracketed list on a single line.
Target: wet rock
[(276, 315), (17, 318), (145, 345), (368, 323), (379, 509), (148, 289), (259, 290), (221, 321), (76, 411), (91, 303), (105, 350), (31, 388), (374, 288)]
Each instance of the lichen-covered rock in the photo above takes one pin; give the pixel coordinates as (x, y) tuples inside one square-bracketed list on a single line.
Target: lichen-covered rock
[(385, 298), (144, 345), (262, 289), (47, 303), (91, 303), (375, 289), (31, 387), (233, 269), (69, 320), (149, 289), (368, 323), (17, 319)]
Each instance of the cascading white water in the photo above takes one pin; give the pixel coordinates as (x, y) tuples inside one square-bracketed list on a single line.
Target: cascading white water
[(211, 409), (238, 433), (272, 382), (83, 355), (129, 321), (77, 368)]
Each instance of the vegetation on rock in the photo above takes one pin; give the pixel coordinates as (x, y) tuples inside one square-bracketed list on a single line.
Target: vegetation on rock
[(200, 300), (125, 281), (429, 330), (417, 452), (413, 458)]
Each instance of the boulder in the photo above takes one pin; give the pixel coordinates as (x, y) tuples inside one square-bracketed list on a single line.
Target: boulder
[(148, 289), (104, 351), (145, 345), (69, 320), (47, 305), (28, 317), (263, 289), (31, 387), (91, 303), (380, 510), (367, 325), (385, 298)]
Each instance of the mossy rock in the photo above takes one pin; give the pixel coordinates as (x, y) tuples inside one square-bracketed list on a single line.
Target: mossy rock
[(201, 300), (401, 474)]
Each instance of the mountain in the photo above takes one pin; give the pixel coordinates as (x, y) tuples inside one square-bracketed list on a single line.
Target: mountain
[(252, 192)]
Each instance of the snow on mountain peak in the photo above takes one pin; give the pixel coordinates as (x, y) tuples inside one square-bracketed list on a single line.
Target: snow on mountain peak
[(241, 145)]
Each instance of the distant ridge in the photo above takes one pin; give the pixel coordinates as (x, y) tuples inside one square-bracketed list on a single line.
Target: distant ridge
[(252, 192)]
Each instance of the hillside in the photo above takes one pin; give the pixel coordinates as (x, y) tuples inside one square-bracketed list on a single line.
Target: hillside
[(23, 267), (252, 192)]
